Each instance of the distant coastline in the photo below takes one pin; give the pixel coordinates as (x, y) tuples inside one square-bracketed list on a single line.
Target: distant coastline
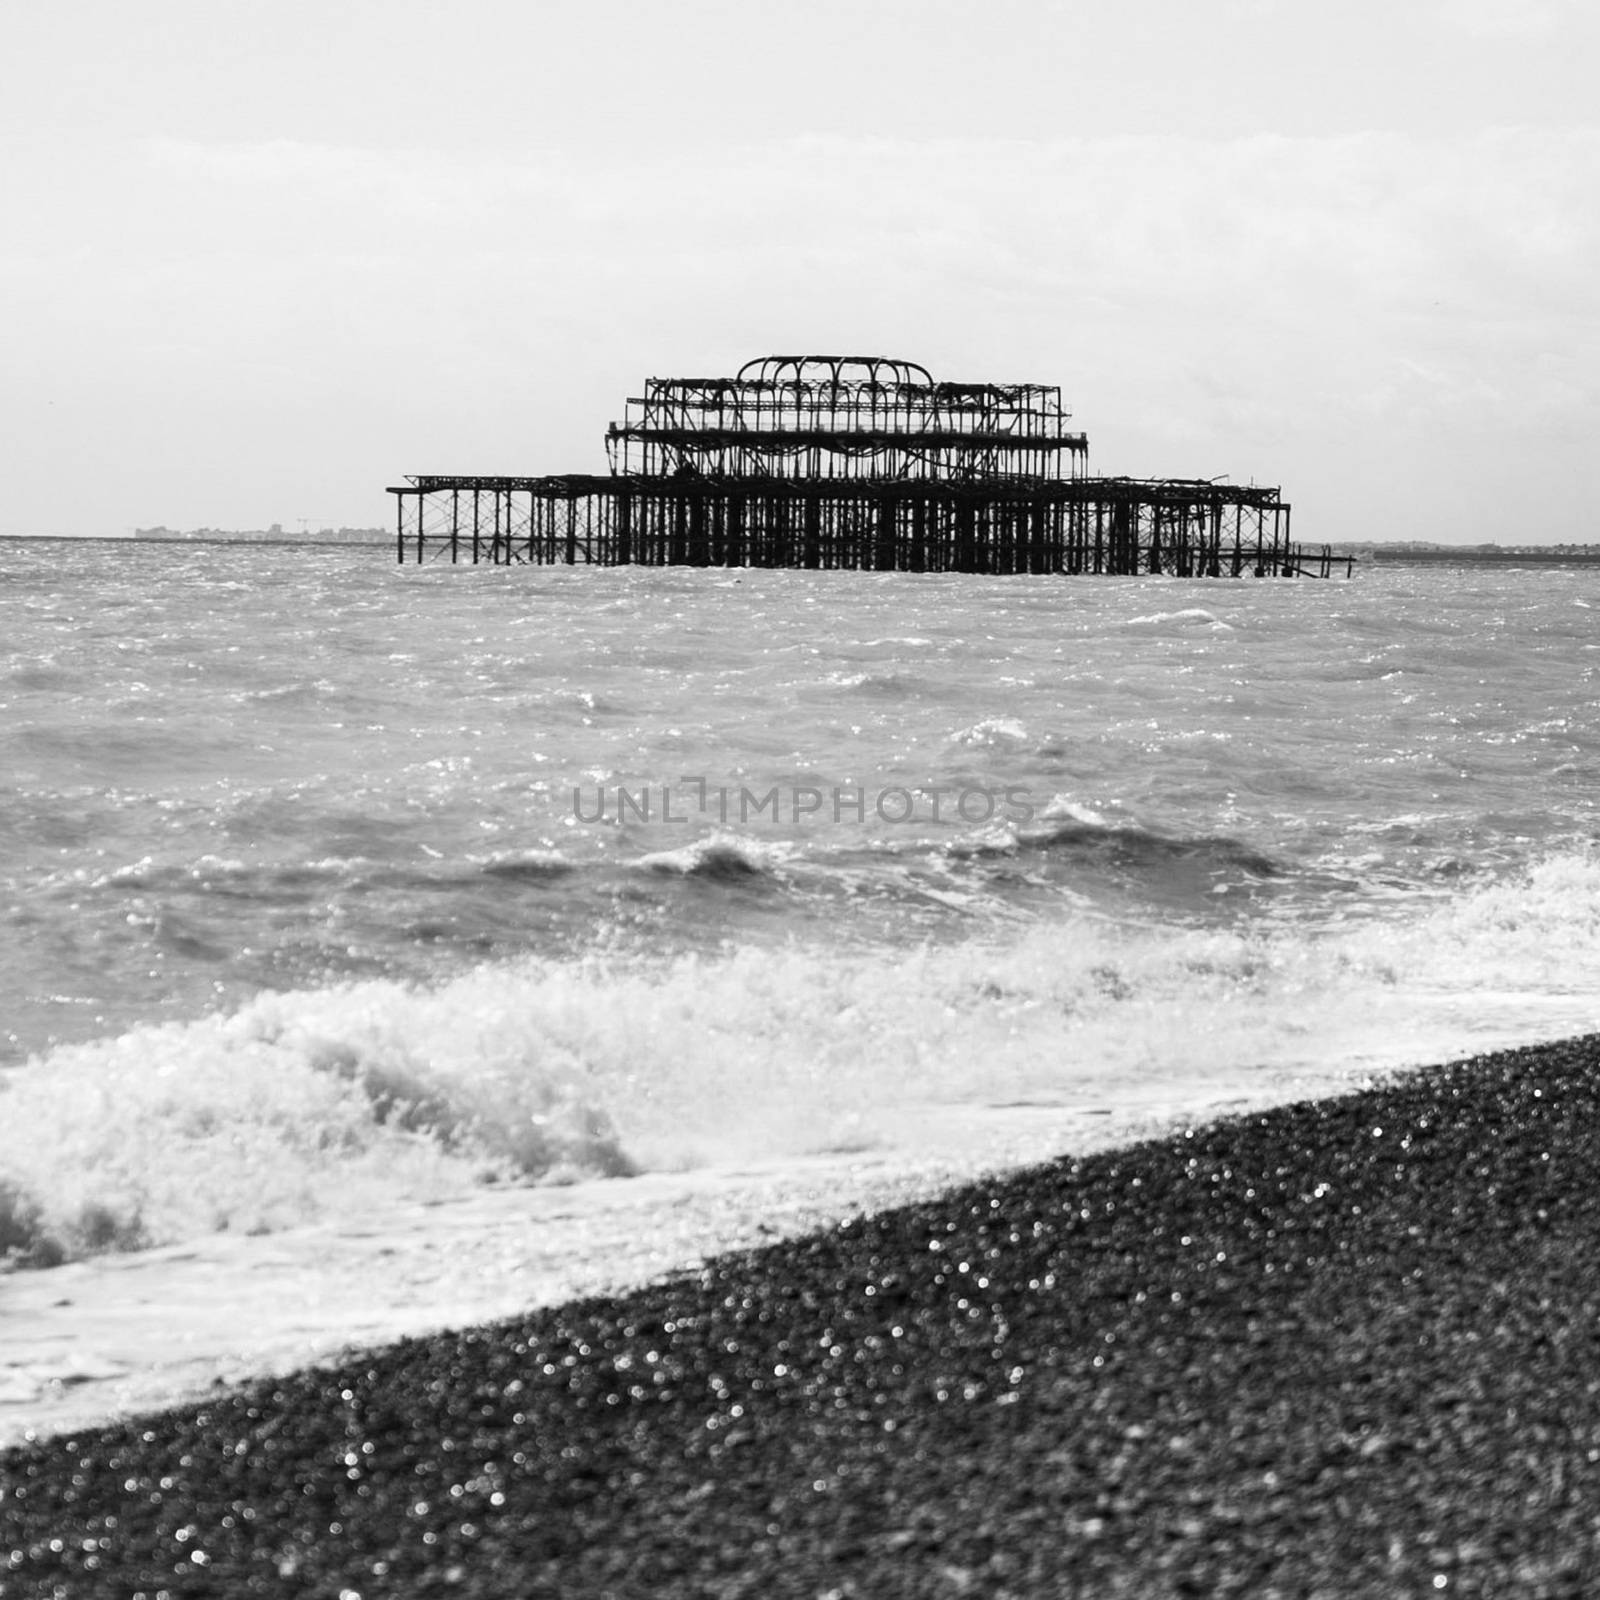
[(276, 534), (1400, 552), (1419, 553)]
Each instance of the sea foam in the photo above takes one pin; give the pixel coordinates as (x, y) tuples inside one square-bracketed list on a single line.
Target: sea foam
[(345, 1099)]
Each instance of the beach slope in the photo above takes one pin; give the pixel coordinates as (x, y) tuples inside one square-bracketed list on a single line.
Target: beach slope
[(1344, 1347)]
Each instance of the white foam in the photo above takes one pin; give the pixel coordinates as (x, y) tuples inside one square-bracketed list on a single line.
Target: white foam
[(1189, 617), (722, 854), (992, 731), (344, 1100), (1063, 808)]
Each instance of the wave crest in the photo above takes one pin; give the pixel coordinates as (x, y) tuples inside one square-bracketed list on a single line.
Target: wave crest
[(361, 1097)]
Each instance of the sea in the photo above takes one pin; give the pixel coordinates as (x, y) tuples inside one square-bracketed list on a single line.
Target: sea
[(331, 884)]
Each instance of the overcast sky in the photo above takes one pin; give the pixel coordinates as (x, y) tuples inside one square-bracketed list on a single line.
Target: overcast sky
[(261, 258)]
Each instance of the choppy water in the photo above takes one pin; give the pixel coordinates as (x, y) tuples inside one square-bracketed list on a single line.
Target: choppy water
[(306, 905)]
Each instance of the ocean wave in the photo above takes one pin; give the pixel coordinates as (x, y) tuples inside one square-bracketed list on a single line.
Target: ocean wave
[(220, 875), (1138, 847), (350, 1098), (1078, 834), (304, 690), (1189, 617), (231, 878), (993, 733), (538, 866), (1063, 808), (717, 858), (295, 1106), (882, 685)]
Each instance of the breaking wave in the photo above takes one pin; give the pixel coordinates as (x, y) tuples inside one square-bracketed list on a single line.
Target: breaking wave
[(355, 1097), (720, 858)]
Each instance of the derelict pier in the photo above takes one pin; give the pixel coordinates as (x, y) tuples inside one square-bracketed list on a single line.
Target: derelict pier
[(856, 463)]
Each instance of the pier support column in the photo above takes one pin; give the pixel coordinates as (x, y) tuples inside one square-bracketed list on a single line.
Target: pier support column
[(624, 551)]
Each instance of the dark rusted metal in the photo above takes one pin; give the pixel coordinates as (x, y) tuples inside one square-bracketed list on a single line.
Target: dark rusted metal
[(854, 462)]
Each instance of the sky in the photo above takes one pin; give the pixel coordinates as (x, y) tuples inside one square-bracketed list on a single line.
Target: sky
[(262, 258)]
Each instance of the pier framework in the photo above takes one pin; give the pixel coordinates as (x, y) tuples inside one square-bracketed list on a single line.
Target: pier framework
[(855, 463)]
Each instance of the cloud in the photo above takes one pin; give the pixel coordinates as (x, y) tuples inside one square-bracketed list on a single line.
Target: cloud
[(1266, 305), (1382, 214), (1501, 19)]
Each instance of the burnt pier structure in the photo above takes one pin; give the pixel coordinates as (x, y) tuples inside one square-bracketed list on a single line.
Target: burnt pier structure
[(856, 463)]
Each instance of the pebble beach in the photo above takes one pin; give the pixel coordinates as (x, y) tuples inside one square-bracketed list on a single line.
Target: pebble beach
[(1341, 1347)]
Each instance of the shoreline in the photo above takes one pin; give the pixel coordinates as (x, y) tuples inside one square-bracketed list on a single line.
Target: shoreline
[(1340, 1346), (104, 1340)]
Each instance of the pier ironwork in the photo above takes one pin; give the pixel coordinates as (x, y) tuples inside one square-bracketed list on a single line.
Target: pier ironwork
[(852, 462)]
